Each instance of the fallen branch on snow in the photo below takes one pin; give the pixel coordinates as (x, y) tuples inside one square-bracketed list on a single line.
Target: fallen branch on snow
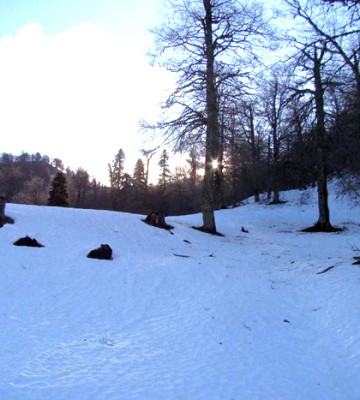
[(326, 270), (181, 255)]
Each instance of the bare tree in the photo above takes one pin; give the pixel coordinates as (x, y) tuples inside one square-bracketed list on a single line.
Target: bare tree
[(275, 98), (35, 191), (314, 59), (200, 43), (79, 186), (338, 27), (148, 154), (315, 56), (252, 131)]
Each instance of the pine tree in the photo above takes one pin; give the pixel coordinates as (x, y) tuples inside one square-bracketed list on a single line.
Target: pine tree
[(118, 169), (139, 174), (165, 173), (58, 191)]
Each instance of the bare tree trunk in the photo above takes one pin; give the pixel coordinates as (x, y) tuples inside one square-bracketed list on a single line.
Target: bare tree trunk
[(269, 166), (2, 210), (324, 213), (276, 149), (254, 154), (148, 158), (219, 176), (232, 163), (212, 134)]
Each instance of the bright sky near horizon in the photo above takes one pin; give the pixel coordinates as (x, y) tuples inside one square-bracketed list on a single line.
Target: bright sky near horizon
[(75, 79)]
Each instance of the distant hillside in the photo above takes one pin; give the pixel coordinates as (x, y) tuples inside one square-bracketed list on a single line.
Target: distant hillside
[(26, 175)]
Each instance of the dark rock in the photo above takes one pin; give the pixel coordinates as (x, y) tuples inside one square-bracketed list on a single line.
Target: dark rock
[(28, 242), (104, 252)]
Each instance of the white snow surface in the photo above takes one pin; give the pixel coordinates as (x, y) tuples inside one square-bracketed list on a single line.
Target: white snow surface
[(246, 316)]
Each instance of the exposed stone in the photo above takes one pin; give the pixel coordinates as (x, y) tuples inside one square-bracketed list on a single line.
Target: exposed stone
[(104, 252), (28, 242)]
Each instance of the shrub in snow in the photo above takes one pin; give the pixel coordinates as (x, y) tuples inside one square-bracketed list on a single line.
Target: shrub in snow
[(27, 241), (104, 252)]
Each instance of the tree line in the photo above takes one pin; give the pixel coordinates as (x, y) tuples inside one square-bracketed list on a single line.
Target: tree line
[(39, 180)]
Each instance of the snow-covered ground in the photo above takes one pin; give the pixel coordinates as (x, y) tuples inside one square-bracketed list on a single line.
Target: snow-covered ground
[(246, 316)]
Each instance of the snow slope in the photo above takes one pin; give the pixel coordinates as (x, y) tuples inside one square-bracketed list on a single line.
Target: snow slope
[(246, 316)]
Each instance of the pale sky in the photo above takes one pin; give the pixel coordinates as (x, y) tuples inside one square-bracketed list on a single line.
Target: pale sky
[(75, 79)]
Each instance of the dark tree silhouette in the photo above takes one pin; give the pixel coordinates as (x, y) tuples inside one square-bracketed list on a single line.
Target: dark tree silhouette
[(58, 191)]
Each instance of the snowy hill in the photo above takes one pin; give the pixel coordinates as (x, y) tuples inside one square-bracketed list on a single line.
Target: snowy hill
[(187, 316)]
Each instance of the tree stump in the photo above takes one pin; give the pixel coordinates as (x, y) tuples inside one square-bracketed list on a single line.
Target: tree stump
[(158, 220)]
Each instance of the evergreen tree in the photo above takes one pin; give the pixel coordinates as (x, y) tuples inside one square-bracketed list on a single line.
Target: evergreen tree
[(165, 173), (117, 178), (139, 174), (58, 191), (118, 169)]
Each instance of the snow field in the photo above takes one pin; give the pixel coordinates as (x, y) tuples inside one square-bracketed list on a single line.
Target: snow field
[(244, 316)]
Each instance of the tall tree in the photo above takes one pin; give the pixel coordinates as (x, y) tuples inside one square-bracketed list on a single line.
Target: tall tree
[(195, 164), (58, 191), (118, 170), (80, 183), (249, 127), (148, 154), (316, 56), (313, 60), (116, 177), (318, 71), (139, 177), (275, 98), (165, 173), (199, 43)]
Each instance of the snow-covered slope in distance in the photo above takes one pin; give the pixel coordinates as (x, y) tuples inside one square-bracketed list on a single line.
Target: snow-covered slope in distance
[(187, 316)]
